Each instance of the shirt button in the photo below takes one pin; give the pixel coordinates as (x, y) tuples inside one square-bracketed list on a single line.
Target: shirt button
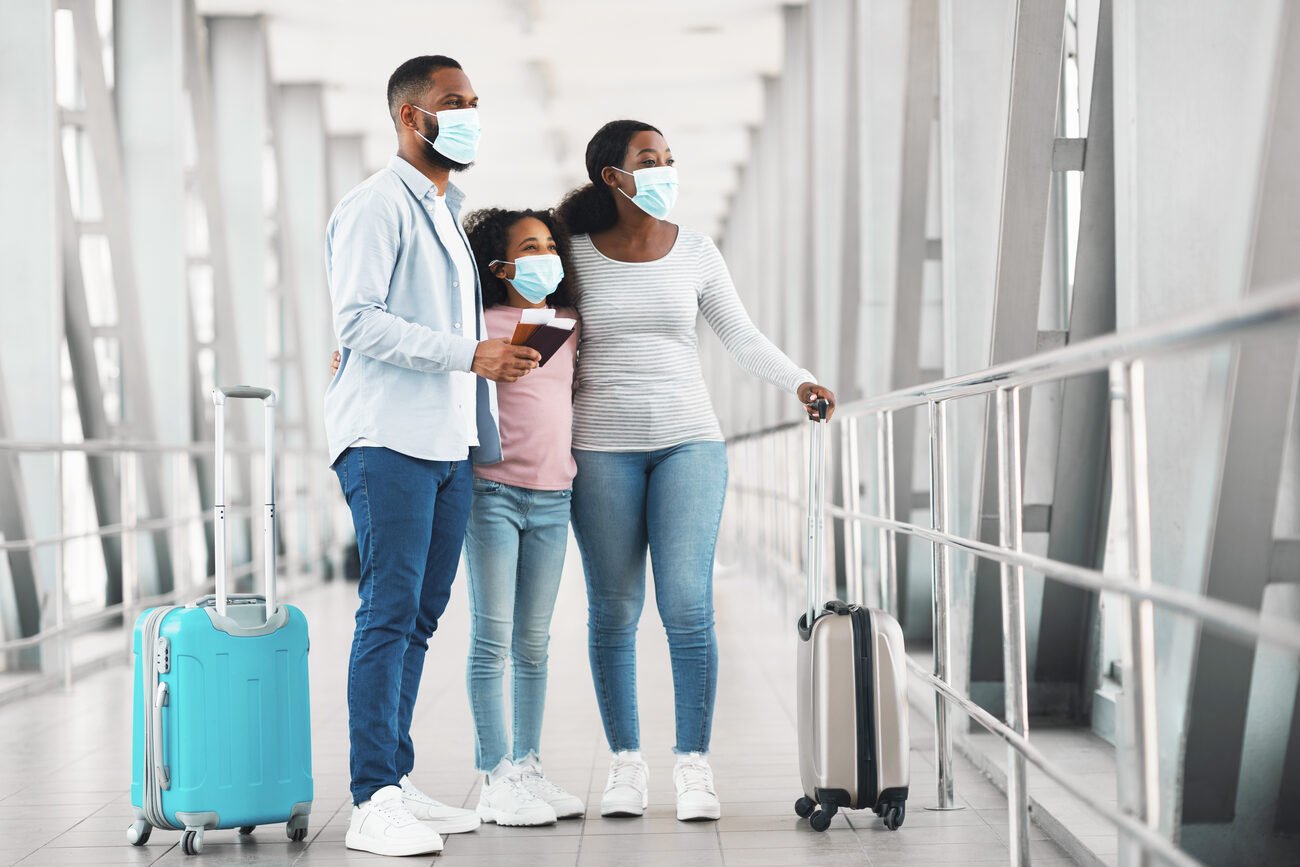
[(455, 284), (457, 326)]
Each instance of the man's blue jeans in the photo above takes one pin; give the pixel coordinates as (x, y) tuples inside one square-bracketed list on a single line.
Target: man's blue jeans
[(410, 517), (669, 503), (514, 548)]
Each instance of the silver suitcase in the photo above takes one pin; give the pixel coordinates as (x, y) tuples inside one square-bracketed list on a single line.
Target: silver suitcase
[(853, 748)]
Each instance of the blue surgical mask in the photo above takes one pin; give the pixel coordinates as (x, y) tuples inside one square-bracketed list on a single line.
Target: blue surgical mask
[(458, 133), (656, 190), (536, 276)]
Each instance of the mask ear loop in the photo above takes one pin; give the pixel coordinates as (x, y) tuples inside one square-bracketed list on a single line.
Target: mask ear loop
[(432, 114), (620, 189)]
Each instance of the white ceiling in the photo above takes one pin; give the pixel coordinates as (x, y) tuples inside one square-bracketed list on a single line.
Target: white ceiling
[(549, 74)]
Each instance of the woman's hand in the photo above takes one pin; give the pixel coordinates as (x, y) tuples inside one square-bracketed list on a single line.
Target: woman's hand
[(334, 363), (808, 395)]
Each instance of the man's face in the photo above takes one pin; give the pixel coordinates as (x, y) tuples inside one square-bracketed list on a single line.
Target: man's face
[(449, 88)]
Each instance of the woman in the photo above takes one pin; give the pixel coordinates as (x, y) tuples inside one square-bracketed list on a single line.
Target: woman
[(652, 468)]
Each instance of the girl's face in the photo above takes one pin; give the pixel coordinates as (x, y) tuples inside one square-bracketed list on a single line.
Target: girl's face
[(527, 237)]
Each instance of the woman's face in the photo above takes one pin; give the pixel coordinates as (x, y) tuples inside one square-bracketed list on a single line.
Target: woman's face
[(646, 150)]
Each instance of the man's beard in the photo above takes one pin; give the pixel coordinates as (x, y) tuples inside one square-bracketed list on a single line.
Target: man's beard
[(436, 157)]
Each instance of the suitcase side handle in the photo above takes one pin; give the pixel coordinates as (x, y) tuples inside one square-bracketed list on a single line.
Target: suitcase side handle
[(161, 774), (816, 508), (268, 398)]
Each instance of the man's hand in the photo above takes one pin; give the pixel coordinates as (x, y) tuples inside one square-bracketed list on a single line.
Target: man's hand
[(499, 361), (335, 361), (808, 394)]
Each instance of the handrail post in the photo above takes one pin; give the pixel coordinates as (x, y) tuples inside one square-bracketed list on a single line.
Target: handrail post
[(1138, 754), (60, 579), (941, 600), (1014, 663), (130, 559), (888, 541), (181, 578)]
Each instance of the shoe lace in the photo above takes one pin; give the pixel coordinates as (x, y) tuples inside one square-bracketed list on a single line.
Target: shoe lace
[(537, 783), (626, 774), (695, 776), (519, 785), (409, 790), (394, 811)]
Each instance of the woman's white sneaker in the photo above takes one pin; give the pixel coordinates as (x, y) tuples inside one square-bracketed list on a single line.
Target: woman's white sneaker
[(627, 790), (565, 805), (506, 800), (439, 816), (696, 799), (383, 825)]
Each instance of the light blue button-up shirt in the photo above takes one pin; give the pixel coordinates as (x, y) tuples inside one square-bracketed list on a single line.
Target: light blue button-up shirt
[(397, 316)]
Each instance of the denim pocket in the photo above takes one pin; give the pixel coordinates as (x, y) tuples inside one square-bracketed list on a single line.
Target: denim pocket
[(486, 486)]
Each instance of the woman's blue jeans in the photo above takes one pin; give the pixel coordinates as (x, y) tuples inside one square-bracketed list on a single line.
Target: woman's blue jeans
[(667, 503), (514, 547)]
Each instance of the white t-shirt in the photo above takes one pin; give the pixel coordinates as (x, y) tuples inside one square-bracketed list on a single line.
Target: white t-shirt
[(464, 385)]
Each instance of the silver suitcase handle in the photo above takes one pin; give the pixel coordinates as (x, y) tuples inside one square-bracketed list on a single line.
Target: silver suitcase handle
[(816, 509), (268, 399)]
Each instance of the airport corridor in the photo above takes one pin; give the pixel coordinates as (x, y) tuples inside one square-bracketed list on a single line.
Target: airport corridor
[(64, 784)]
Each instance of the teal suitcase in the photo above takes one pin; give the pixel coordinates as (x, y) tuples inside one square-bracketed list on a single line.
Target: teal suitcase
[(222, 724)]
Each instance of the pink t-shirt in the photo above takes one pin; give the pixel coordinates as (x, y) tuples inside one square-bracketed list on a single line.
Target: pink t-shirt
[(536, 415)]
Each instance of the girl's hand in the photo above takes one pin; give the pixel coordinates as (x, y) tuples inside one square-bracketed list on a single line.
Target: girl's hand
[(334, 363), (808, 395)]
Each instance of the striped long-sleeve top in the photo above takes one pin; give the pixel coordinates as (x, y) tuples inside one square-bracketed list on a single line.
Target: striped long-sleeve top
[(639, 384)]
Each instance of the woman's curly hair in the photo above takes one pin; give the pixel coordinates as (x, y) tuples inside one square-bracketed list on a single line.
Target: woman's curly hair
[(488, 230), (591, 208)]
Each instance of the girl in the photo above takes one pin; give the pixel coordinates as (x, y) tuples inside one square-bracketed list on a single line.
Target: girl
[(652, 465), (519, 522)]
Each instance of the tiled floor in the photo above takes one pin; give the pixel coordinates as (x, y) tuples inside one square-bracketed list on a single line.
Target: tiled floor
[(64, 763)]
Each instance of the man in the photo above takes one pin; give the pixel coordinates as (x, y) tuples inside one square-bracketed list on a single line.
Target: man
[(411, 405)]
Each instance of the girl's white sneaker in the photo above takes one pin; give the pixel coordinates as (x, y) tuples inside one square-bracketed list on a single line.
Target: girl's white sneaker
[(565, 805), (506, 800)]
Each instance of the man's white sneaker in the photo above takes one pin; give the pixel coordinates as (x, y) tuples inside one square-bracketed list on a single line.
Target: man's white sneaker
[(696, 799), (437, 815), (627, 791), (565, 805), (505, 800), (384, 826)]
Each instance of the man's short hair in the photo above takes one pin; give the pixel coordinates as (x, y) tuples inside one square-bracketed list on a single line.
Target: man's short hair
[(410, 80)]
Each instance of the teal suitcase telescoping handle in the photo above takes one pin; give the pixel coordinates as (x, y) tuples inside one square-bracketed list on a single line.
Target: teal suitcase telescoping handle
[(219, 397)]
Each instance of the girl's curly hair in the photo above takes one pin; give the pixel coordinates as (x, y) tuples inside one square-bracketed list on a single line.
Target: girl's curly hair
[(488, 230)]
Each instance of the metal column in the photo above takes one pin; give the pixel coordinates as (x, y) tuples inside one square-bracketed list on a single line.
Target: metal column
[(1027, 180), (32, 325), (1262, 396), (918, 122)]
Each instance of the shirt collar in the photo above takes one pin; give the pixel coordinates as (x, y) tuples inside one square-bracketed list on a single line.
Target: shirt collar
[(420, 185)]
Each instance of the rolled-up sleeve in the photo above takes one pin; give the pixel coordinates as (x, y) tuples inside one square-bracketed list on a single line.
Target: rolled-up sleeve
[(364, 238)]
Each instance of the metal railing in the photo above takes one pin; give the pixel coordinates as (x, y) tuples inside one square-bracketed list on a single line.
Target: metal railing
[(306, 507), (769, 514)]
